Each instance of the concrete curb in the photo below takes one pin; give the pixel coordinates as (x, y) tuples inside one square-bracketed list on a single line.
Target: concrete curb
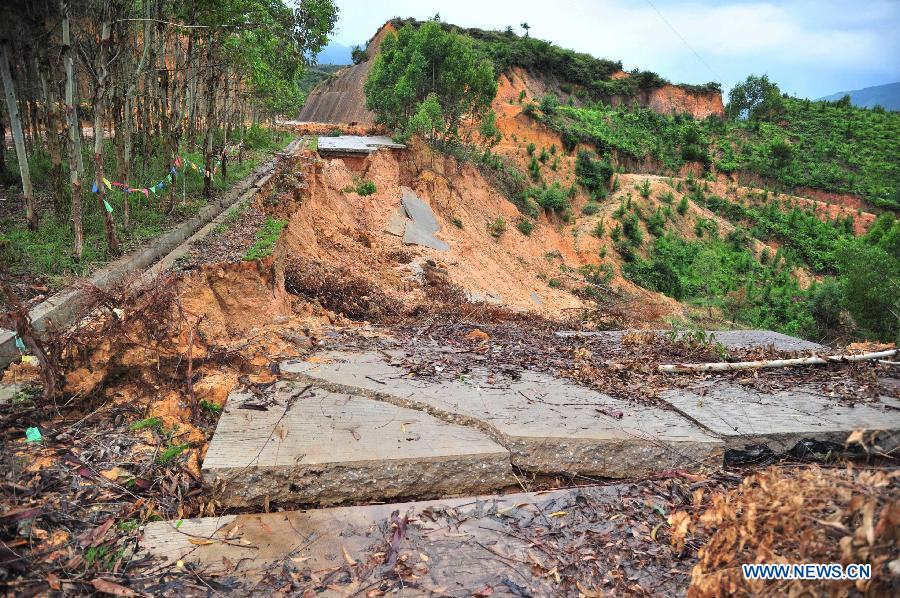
[(72, 303)]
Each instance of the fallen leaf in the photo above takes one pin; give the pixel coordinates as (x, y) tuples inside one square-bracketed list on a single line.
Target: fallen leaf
[(679, 521), (587, 592), (113, 474), (559, 513), (201, 541), (347, 556), (868, 517), (485, 591), (108, 587), (478, 335), (53, 581)]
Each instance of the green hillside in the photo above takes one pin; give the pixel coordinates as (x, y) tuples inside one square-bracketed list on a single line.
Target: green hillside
[(585, 76), (825, 145)]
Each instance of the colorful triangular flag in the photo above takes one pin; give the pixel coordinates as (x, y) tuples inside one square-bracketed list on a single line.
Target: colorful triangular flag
[(108, 207), (107, 183), (94, 188)]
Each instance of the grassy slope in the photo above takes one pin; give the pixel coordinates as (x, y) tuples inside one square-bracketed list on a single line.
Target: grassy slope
[(47, 253), (835, 148)]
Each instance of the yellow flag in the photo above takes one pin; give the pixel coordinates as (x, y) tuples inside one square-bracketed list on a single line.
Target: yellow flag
[(107, 183)]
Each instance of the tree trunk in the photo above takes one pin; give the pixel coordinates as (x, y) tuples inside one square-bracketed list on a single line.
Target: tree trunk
[(49, 86), (74, 126), (99, 110), (211, 78), (15, 122)]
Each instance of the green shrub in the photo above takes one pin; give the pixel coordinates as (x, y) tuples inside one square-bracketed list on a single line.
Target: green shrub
[(656, 222), (497, 227), (545, 155), (826, 305), (365, 187), (644, 189), (530, 148), (599, 229), (525, 225), (738, 238), (667, 197), (592, 174), (534, 169), (872, 281), (549, 104), (632, 229), (590, 208), (554, 198), (616, 233), (682, 206)]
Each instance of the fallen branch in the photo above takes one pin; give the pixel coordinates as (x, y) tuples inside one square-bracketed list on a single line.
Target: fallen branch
[(724, 366)]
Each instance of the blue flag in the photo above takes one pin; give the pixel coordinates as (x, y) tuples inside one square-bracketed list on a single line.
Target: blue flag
[(94, 188)]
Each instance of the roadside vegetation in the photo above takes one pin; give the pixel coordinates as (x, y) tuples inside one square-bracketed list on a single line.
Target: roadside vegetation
[(126, 118), (48, 253)]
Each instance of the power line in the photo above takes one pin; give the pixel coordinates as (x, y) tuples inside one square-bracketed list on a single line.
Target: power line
[(691, 48)]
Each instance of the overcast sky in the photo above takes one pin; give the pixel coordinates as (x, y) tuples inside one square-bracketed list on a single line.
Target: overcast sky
[(811, 48)]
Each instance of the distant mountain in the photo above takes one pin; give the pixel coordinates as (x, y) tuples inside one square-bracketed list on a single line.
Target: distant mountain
[(334, 53), (886, 96)]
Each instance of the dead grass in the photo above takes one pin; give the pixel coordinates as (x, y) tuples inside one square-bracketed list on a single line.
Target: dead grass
[(797, 515)]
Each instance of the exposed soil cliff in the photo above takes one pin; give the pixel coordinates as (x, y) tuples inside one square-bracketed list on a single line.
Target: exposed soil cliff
[(340, 99)]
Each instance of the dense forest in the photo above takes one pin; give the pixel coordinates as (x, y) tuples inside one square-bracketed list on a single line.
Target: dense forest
[(126, 115)]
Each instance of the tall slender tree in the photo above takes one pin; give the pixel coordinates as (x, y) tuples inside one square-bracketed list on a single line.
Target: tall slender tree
[(15, 121)]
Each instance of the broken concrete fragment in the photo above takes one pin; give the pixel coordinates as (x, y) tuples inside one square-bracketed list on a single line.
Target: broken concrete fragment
[(397, 223), (781, 418), (730, 339), (325, 448), (465, 542), (355, 144), (549, 425), (415, 235), (10, 391), (420, 212)]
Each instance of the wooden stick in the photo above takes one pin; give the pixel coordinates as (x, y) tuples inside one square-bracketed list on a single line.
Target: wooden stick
[(774, 363)]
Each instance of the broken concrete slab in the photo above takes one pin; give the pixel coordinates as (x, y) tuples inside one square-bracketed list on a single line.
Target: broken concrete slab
[(324, 448), (549, 425), (479, 297), (781, 418), (730, 339), (356, 144), (419, 211), (396, 225), (457, 546), (422, 223), (413, 234)]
